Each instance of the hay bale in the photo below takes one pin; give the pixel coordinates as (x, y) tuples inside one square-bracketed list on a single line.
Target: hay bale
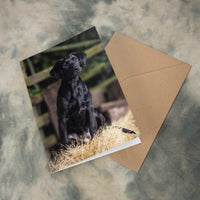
[(107, 138)]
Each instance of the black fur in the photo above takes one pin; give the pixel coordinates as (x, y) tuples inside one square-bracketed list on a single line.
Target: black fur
[(77, 117)]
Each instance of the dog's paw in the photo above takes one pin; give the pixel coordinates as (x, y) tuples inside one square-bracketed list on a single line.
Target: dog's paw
[(86, 137), (75, 138)]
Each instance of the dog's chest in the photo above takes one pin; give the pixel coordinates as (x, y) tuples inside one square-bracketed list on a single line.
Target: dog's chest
[(79, 96)]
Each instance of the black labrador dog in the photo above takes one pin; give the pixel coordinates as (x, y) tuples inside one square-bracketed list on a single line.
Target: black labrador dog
[(77, 117)]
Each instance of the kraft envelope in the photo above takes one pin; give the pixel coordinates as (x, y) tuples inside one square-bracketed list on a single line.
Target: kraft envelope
[(150, 81)]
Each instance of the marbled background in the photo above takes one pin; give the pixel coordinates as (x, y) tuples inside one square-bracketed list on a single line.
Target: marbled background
[(172, 167)]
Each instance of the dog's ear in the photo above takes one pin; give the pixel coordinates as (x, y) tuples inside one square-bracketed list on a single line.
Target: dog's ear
[(81, 56), (55, 71)]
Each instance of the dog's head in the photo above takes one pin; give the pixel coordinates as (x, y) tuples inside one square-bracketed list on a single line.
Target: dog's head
[(70, 66)]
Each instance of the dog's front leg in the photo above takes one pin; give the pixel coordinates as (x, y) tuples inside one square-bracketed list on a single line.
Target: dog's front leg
[(62, 121), (92, 122)]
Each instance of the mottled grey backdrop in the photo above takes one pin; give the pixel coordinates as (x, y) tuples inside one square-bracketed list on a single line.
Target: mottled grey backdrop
[(171, 169)]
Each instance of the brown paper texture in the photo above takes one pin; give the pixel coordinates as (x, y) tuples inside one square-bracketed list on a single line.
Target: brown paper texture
[(150, 81)]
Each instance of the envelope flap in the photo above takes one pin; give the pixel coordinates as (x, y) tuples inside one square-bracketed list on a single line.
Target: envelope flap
[(129, 55)]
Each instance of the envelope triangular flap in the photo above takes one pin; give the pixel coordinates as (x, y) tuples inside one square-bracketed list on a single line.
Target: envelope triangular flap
[(150, 81)]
